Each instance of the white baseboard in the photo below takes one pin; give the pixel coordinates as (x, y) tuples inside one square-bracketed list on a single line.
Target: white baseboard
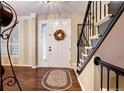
[(17, 65), (81, 84), (79, 81), (74, 65), (34, 67), (46, 66), (22, 65)]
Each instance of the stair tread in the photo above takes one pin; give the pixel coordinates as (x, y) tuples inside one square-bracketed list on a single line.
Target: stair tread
[(78, 68), (95, 36), (84, 55), (79, 64), (88, 47), (104, 19), (81, 60)]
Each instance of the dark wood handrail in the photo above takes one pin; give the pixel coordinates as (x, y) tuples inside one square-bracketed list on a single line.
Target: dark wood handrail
[(117, 70), (114, 68)]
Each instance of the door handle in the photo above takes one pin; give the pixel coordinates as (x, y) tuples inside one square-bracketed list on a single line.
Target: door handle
[(50, 49)]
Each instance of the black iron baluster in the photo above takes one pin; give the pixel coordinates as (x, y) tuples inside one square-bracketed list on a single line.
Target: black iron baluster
[(77, 56), (100, 9), (101, 77), (96, 11), (90, 22), (104, 10), (86, 23), (93, 18), (117, 81), (86, 30), (107, 79), (88, 27)]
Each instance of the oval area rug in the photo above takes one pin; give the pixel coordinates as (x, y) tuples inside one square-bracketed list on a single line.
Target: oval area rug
[(57, 79)]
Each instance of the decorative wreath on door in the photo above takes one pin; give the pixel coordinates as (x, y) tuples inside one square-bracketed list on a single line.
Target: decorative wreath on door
[(59, 35)]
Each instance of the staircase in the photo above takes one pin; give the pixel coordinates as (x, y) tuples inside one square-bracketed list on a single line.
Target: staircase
[(99, 19), (96, 14)]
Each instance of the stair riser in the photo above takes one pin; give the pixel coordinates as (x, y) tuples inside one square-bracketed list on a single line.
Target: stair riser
[(88, 51), (94, 42), (103, 27), (83, 58)]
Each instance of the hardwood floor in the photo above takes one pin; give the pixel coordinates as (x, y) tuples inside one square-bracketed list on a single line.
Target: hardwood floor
[(30, 79)]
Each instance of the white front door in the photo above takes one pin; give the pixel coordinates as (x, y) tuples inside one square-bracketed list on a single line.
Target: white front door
[(53, 53)]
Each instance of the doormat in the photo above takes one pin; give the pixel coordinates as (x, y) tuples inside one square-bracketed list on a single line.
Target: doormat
[(57, 79)]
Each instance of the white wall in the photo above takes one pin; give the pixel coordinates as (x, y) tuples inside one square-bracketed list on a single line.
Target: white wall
[(87, 77), (112, 48), (29, 28)]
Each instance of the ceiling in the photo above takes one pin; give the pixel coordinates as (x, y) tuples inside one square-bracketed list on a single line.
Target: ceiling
[(24, 8)]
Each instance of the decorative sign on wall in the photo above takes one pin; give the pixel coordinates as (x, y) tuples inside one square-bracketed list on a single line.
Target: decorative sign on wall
[(59, 35)]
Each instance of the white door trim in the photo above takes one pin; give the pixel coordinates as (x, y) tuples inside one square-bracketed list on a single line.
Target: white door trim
[(39, 39)]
